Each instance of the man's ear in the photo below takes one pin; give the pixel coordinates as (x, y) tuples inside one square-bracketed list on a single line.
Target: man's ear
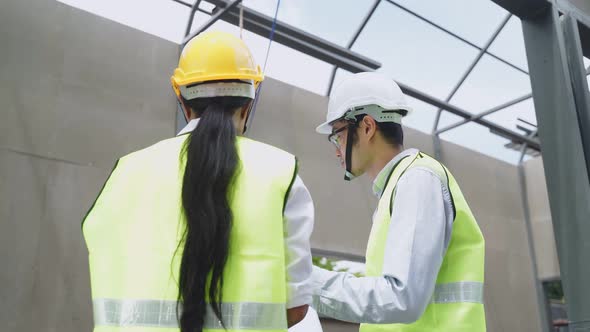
[(370, 126)]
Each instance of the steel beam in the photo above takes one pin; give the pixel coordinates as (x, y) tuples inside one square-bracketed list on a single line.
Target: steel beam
[(343, 58), (298, 39), (471, 67), (191, 6), (579, 81), (555, 95), (315, 51), (585, 38), (219, 14), (516, 137), (450, 33), (191, 17), (437, 150), (364, 22), (483, 114), (523, 8), (183, 3), (579, 9), (531, 246), (353, 40), (523, 152)]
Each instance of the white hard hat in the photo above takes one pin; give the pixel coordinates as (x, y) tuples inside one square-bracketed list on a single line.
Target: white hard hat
[(366, 89)]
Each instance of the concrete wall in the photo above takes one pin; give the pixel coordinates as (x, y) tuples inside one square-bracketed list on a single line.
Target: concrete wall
[(77, 91), (492, 190)]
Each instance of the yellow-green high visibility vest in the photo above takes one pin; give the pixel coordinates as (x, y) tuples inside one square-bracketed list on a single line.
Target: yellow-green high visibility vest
[(457, 302), (136, 224)]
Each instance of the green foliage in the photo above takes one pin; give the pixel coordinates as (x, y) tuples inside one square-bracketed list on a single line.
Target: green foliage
[(554, 290), (330, 265), (324, 263)]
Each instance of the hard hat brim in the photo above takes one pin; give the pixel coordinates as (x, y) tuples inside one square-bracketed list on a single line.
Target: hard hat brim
[(325, 128)]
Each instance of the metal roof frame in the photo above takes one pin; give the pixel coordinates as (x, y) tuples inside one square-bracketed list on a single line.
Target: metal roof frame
[(346, 59)]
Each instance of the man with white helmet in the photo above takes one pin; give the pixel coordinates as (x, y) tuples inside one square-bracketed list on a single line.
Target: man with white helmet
[(425, 255)]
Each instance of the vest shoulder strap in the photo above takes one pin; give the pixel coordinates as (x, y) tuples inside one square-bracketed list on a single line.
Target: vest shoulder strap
[(420, 159), (425, 161), (440, 170)]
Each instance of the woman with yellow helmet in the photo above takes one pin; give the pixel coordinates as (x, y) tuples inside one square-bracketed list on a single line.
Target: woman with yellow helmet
[(208, 230)]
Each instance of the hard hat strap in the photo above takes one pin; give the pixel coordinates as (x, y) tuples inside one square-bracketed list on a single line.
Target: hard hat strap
[(252, 109), (348, 160), (378, 114), (181, 110)]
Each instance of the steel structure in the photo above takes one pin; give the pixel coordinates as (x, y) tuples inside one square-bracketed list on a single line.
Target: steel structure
[(553, 33), (343, 57), (562, 103)]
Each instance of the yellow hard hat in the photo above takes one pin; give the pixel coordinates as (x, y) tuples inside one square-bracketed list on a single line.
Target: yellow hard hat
[(214, 56)]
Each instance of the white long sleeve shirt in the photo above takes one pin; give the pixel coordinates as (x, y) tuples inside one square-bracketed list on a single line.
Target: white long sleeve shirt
[(298, 218), (417, 239)]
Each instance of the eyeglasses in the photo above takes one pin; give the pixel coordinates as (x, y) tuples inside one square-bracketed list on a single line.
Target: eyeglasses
[(334, 138)]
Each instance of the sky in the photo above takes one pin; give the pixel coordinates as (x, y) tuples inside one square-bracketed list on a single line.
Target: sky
[(410, 51)]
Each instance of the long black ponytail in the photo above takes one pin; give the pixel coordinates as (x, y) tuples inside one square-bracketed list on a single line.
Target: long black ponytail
[(211, 165)]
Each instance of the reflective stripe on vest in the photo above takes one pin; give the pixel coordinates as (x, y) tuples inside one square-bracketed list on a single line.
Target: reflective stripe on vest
[(162, 313), (458, 292)]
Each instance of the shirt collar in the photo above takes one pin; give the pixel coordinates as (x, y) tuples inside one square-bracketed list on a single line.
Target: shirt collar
[(189, 127), (381, 179)]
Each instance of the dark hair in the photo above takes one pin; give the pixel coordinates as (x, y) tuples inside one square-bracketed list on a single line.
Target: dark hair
[(211, 164), (392, 132)]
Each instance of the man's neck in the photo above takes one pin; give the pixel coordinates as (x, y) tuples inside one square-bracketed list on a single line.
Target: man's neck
[(381, 159)]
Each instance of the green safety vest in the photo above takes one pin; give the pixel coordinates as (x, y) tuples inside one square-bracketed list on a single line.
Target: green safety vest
[(457, 302), (136, 225)]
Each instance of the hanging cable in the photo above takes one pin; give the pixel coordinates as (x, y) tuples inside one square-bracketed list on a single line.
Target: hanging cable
[(241, 21), (272, 34), (259, 89)]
